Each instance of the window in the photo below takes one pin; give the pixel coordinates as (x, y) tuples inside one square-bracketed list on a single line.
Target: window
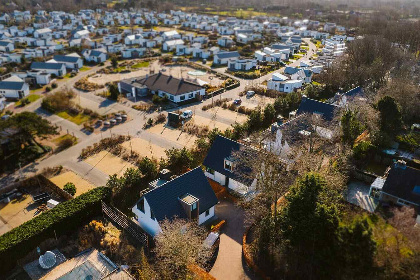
[(152, 216), (182, 97), (191, 95), (194, 206), (209, 170), (228, 165), (207, 212), (171, 97), (140, 205)]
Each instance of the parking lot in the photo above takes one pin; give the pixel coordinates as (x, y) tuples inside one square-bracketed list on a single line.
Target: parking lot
[(108, 163), (81, 184), (145, 148)]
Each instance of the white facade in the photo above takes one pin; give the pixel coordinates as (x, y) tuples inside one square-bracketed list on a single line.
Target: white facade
[(182, 97), (149, 225)]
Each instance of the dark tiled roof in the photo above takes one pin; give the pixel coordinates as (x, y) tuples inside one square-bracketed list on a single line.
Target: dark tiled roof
[(11, 85), (401, 181), (224, 148), (222, 55), (291, 70), (355, 91), (66, 58), (5, 43), (46, 65), (167, 84), (312, 106), (164, 200)]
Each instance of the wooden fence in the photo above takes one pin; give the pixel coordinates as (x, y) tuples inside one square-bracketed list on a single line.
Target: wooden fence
[(126, 224)]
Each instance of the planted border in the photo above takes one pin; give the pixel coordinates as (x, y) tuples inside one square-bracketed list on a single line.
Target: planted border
[(65, 217)]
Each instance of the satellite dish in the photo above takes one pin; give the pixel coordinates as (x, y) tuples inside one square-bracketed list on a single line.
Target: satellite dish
[(48, 260)]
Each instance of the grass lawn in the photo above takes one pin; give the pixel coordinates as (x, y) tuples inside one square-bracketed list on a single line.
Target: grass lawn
[(41, 89), (77, 119), (65, 136), (31, 98), (84, 68), (141, 64)]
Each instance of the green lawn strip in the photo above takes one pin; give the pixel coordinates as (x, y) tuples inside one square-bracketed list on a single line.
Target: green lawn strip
[(65, 136), (31, 98), (77, 119), (84, 68), (140, 64)]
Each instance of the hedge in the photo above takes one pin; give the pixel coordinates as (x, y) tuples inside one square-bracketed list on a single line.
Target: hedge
[(63, 218)]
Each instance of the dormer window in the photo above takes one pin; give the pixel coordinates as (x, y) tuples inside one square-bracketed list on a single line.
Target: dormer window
[(228, 165)]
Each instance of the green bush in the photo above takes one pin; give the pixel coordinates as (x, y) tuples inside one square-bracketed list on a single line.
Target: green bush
[(64, 218), (70, 188), (363, 150)]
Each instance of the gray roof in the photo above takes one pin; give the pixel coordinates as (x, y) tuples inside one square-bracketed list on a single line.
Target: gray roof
[(312, 106), (221, 149), (11, 85), (5, 43), (164, 200), (46, 65), (402, 181), (66, 58), (166, 83), (227, 54)]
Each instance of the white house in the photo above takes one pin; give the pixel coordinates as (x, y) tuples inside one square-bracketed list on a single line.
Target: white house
[(222, 58), (242, 64), (171, 35), (14, 88), (132, 52), (96, 56), (225, 41), (6, 46), (43, 33), (188, 196), (171, 44), (72, 61), (176, 90), (282, 83), (35, 77), (53, 68), (220, 166)]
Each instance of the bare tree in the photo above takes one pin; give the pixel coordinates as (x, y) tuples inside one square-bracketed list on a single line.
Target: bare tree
[(179, 245)]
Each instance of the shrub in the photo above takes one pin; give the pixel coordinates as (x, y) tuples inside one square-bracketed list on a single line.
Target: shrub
[(65, 143), (362, 150), (59, 101), (161, 118), (54, 85), (48, 89), (65, 217), (70, 188)]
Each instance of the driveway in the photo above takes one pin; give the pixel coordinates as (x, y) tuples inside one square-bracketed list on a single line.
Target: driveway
[(229, 263)]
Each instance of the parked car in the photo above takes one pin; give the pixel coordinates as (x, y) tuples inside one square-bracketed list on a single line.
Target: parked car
[(187, 114), (237, 101), (250, 93)]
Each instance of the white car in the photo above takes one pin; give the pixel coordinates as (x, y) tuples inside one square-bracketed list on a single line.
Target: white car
[(187, 114), (250, 93)]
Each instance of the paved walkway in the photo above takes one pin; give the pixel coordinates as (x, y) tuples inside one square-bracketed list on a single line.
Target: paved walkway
[(229, 263)]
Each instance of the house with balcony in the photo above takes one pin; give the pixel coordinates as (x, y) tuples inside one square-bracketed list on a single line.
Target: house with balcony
[(188, 196)]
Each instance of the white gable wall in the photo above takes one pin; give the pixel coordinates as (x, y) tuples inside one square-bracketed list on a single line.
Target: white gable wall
[(150, 226)]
